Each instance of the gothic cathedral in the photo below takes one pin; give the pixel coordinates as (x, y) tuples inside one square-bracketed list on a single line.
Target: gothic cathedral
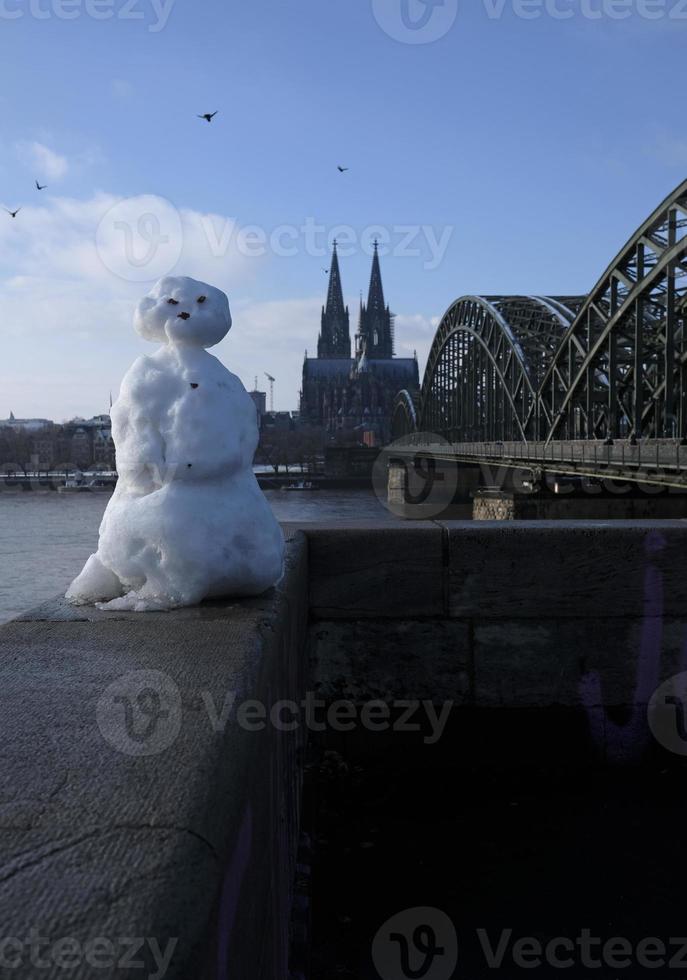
[(356, 393)]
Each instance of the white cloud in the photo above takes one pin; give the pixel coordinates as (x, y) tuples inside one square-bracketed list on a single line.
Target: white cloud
[(45, 163), (119, 244), (415, 333), (67, 316), (272, 337)]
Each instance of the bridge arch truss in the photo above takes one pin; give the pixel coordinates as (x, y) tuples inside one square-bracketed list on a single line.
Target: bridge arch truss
[(485, 363), (609, 365)]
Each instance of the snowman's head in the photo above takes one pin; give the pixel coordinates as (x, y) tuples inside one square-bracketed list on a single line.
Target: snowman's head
[(183, 311)]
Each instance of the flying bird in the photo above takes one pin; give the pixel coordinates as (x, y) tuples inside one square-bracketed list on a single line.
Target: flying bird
[(342, 170), (325, 271), (13, 214), (209, 116), (40, 187)]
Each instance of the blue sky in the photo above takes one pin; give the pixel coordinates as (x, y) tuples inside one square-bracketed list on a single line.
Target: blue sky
[(530, 145)]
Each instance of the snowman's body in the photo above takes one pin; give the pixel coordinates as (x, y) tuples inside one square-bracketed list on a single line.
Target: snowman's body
[(187, 519)]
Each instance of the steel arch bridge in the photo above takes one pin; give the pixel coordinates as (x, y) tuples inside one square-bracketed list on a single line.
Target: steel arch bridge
[(537, 369)]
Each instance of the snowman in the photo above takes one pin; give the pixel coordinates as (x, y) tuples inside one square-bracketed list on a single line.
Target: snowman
[(187, 519)]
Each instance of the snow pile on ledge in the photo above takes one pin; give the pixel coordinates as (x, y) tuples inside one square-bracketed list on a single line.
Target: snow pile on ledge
[(187, 519)]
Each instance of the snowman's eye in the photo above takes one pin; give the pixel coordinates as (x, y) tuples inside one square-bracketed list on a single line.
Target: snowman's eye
[(173, 302), (201, 299)]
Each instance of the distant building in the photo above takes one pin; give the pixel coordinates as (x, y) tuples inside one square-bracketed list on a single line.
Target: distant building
[(97, 422), (81, 448), (42, 444), (340, 392), (278, 420), (260, 401), (103, 447), (43, 447), (24, 425)]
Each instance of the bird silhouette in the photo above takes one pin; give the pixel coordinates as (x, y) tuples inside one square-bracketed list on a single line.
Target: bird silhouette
[(325, 271), (209, 116), (40, 187), (342, 170), (13, 214)]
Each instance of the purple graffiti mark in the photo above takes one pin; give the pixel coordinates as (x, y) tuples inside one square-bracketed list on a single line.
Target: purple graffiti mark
[(627, 743), (231, 891)]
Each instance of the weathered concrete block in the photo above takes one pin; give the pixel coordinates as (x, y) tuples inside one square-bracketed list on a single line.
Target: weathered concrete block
[(521, 570), (376, 571), (364, 660), (551, 663), (135, 804)]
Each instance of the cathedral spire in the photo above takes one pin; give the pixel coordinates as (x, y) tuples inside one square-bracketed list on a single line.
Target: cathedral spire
[(376, 329), (375, 296), (335, 302), (335, 338)]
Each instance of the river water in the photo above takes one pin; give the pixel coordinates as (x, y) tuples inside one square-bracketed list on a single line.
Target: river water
[(45, 537)]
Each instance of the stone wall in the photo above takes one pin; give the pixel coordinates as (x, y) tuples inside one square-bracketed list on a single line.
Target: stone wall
[(640, 504), (177, 823), (181, 823), (549, 637)]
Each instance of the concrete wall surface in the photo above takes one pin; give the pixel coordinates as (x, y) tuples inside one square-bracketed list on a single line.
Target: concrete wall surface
[(144, 831), (561, 626), (143, 820)]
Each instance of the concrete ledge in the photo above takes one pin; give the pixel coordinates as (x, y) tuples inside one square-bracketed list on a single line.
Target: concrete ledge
[(179, 843), (555, 569), (493, 569), (390, 660), (546, 625), (376, 570)]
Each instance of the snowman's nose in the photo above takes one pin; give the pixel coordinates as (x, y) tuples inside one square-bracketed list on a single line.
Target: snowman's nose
[(183, 316)]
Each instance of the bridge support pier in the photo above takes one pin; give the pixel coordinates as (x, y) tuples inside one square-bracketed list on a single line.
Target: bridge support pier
[(422, 488), (509, 505)]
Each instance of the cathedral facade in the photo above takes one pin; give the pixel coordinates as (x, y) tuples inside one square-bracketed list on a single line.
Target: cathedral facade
[(354, 389)]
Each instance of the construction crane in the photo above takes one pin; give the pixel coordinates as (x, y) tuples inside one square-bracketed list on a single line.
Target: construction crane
[(271, 381)]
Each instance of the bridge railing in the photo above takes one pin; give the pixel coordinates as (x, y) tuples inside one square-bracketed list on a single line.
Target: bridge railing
[(647, 455)]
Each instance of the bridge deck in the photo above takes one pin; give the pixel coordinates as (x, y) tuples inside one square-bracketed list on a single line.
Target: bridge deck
[(661, 462)]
